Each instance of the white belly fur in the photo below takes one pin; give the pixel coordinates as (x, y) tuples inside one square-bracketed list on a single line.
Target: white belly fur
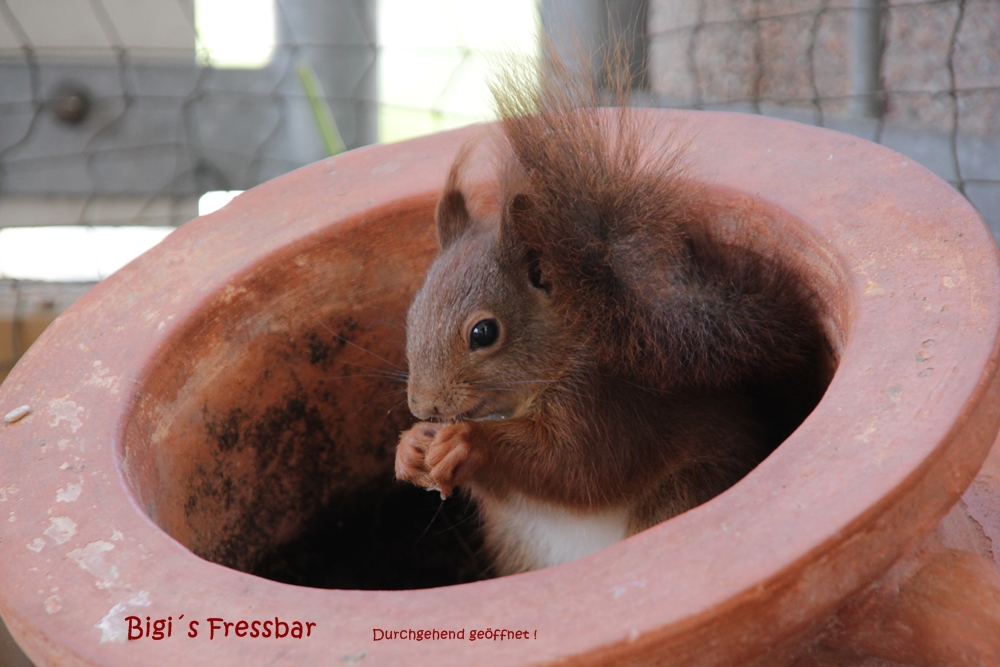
[(527, 534)]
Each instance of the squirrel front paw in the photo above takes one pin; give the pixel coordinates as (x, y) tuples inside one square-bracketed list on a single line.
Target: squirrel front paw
[(436, 456), (411, 452)]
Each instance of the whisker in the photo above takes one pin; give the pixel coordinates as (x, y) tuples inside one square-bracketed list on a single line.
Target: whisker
[(520, 374), (512, 383), (352, 344), (391, 325), (438, 511), (453, 526), (395, 407), (565, 388), (399, 373), (364, 375), (458, 535), (387, 394)]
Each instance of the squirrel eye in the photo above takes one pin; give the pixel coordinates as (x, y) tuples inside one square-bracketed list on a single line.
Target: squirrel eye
[(484, 333)]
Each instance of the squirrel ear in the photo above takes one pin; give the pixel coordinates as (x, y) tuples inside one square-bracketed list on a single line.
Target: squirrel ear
[(518, 228), (516, 222), (452, 217)]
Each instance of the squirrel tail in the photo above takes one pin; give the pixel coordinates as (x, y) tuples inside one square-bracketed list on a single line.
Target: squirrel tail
[(579, 185), (605, 218)]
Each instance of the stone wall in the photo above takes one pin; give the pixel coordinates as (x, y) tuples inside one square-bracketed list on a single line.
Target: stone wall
[(919, 76), (804, 54)]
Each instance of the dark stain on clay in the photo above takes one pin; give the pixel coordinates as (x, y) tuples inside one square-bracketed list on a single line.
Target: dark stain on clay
[(319, 350), (225, 432), (294, 459), (295, 479)]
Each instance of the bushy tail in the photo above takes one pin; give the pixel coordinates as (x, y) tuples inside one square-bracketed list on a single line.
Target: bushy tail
[(604, 215)]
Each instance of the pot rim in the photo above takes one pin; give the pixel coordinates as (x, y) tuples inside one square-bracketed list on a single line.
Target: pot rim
[(820, 519)]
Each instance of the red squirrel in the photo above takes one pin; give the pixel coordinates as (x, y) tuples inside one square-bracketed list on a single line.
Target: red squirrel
[(585, 359)]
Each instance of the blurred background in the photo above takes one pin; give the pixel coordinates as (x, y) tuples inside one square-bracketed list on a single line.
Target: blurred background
[(123, 119)]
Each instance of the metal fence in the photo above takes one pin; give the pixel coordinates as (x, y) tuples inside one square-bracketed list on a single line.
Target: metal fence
[(126, 119), (919, 76), (109, 114)]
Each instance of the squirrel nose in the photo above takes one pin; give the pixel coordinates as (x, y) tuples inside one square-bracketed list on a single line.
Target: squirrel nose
[(422, 409)]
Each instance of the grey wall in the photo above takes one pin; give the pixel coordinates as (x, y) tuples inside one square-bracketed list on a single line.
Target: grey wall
[(161, 128)]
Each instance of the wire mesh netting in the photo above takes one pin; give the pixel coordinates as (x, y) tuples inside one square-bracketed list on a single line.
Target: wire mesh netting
[(919, 76), (121, 107), (120, 112), (435, 56), (116, 112)]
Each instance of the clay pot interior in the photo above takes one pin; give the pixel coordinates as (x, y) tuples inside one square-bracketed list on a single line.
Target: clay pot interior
[(265, 434)]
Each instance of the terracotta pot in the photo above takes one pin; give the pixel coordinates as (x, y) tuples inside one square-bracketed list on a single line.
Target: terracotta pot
[(202, 399)]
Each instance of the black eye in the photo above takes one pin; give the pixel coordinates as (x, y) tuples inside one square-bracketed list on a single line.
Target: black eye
[(484, 334)]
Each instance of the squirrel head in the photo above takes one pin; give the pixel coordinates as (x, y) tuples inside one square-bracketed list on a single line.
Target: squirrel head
[(589, 225), (483, 338)]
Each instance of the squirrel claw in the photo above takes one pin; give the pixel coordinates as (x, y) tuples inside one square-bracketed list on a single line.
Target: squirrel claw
[(435, 456), (411, 451), (450, 460)]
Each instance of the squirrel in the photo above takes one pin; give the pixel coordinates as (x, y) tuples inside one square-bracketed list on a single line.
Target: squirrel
[(588, 358)]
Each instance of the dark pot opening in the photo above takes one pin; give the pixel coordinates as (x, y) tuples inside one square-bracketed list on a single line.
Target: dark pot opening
[(264, 433)]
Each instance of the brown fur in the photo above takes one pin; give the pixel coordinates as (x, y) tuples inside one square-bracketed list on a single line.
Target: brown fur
[(632, 336)]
